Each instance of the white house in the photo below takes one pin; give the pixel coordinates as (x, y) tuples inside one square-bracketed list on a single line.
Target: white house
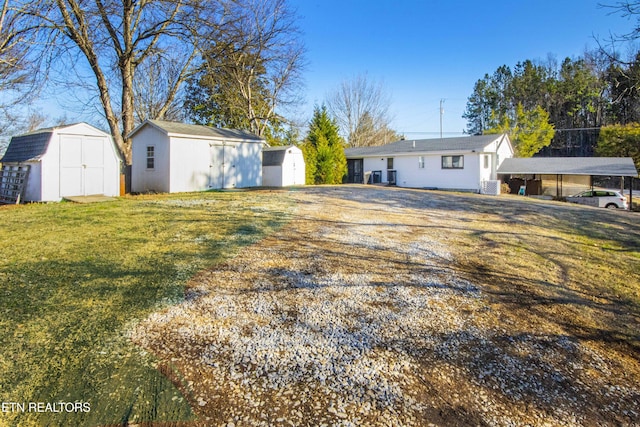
[(463, 163), (175, 157), (64, 161), (282, 166)]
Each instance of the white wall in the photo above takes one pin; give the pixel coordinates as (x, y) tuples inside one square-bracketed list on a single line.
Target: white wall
[(143, 179), (248, 164), (409, 174), (189, 164), (272, 176), (46, 176), (34, 183), (489, 160), (293, 168)]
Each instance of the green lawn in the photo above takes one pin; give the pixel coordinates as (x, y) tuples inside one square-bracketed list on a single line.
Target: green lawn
[(76, 277)]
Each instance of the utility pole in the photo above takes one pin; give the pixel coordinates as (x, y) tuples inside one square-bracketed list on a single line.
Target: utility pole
[(441, 114)]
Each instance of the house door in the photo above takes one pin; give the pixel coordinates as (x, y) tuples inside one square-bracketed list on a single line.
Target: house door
[(81, 166), (354, 171)]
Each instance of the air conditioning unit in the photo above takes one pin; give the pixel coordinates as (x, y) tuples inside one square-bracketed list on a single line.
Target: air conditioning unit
[(491, 187)]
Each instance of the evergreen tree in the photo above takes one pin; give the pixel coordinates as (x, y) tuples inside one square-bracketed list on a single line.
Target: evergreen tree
[(324, 150), (534, 132), (529, 131), (620, 141)]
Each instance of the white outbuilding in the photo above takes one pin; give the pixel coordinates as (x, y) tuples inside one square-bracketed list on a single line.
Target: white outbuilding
[(282, 166), (173, 157), (53, 163)]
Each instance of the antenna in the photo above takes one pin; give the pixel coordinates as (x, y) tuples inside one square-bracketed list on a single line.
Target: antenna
[(441, 114)]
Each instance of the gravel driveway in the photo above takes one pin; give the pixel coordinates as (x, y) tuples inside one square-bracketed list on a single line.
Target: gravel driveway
[(355, 314)]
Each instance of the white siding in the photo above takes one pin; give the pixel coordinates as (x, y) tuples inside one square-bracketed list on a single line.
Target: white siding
[(185, 164), (156, 179), (272, 176), (34, 183), (371, 164), (248, 165), (432, 175), (50, 172), (94, 160), (293, 168), (189, 165)]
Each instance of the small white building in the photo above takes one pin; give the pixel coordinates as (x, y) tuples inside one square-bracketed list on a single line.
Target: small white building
[(174, 157), (65, 161), (463, 163), (282, 166)]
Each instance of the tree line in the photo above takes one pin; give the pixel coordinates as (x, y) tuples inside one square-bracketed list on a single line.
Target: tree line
[(582, 106)]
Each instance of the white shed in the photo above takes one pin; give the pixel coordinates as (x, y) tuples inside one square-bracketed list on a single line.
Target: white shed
[(173, 157), (282, 166), (64, 161), (464, 163)]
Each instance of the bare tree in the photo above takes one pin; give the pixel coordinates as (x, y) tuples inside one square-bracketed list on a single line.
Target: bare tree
[(154, 78), (629, 9), (252, 69), (361, 108), (114, 39)]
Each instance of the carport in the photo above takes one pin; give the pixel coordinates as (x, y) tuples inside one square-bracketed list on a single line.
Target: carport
[(563, 169)]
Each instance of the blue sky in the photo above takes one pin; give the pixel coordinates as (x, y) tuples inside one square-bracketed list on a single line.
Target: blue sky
[(425, 51)]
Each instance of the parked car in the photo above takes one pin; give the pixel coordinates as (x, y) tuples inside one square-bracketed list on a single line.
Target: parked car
[(600, 198)]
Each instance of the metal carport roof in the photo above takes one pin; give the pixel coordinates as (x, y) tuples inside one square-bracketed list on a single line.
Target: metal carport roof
[(606, 166)]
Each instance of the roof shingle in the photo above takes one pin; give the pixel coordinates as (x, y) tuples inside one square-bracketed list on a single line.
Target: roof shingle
[(27, 147), (464, 143), (200, 130)]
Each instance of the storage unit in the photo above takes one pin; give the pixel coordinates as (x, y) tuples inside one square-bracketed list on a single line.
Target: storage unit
[(282, 166), (66, 161), (173, 157)]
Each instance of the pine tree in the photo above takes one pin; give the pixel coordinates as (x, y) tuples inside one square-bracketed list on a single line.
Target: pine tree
[(324, 150), (529, 132), (620, 141)]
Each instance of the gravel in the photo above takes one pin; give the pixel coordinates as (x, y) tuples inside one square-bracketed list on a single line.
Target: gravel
[(354, 315)]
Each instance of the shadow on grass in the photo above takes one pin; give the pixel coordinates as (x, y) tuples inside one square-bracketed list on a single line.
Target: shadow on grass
[(81, 277)]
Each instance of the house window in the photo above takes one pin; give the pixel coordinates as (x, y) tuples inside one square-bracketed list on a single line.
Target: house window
[(452, 162), (151, 157), (390, 163), (421, 162), (486, 161)]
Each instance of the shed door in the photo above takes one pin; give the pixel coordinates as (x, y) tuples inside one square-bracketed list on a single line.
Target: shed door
[(81, 166), (222, 168), (216, 165)]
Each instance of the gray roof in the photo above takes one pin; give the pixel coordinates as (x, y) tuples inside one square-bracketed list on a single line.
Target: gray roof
[(27, 147), (607, 166), (177, 128), (463, 143), (274, 156)]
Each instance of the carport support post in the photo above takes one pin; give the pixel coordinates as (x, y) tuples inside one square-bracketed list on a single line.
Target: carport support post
[(630, 193)]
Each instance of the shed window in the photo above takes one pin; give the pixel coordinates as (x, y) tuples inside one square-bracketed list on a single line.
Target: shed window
[(390, 163), (486, 161), (421, 162), (151, 157), (452, 162)]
